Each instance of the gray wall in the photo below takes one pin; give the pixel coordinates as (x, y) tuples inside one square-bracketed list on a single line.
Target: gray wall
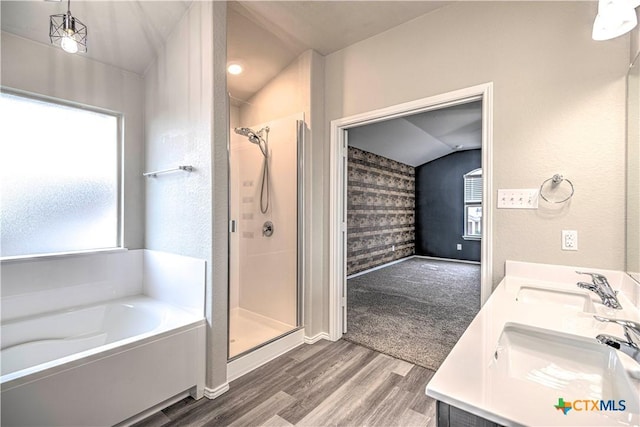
[(185, 127), (380, 210), (559, 107), (440, 206)]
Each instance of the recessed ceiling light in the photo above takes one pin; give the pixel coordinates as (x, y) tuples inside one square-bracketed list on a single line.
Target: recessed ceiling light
[(234, 69), (459, 147)]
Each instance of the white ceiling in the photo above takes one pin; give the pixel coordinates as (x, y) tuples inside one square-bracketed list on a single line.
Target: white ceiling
[(126, 34), (261, 53), (265, 36), (328, 26), (420, 138)]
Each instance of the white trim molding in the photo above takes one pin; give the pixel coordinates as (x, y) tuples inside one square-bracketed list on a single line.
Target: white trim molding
[(212, 393), (337, 205), (462, 261), (378, 267), (314, 339)]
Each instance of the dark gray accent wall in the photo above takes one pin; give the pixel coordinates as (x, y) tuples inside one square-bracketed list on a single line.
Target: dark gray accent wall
[(380, 210), (440, 206)]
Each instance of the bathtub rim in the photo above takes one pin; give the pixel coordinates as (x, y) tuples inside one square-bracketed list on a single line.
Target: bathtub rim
[(187, 322), (142, 298)]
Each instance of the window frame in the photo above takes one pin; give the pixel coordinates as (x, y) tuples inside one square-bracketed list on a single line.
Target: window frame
[(475, 173), (119, 170)]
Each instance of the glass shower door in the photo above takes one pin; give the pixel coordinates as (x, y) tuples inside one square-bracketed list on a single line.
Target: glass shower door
[(263, 266)]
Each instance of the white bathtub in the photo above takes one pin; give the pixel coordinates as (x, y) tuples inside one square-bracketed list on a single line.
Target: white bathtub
[(99, 365)]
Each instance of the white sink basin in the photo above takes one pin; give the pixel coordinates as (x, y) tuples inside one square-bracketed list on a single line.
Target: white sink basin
[(558, 364), (550, 297)]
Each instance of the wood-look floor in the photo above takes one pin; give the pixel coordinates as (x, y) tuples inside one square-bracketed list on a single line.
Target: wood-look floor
[(324, 384)]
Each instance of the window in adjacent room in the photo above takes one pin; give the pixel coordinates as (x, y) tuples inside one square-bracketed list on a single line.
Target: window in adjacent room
[(473, 205), (59, 177)]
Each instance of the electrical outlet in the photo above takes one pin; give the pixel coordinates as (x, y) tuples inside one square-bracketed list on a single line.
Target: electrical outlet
[(569, 240), (459, 246), (393, 248), (518, 199)]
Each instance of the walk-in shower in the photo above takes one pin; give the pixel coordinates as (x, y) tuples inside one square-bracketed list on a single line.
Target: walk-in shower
[(264, 209)]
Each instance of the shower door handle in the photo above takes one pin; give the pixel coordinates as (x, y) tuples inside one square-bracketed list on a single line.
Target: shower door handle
[(232, 226)]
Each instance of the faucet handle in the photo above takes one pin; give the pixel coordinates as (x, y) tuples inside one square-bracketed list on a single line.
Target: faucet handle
[(587, 285), (629, 325), (596, 277)]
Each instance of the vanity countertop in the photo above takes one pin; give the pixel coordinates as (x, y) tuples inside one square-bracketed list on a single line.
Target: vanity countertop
[(493, 374)]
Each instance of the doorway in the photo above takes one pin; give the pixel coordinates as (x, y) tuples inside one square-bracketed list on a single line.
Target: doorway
[(338, 194)]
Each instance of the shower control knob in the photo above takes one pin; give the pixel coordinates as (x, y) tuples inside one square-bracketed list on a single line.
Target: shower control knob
[(267, 229)]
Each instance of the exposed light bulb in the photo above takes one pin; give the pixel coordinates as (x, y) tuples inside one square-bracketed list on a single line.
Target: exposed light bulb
[(68, 44), (68, 32), (234, 69)]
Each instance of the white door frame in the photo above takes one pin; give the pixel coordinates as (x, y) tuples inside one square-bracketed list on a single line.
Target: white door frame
[(337, 190)]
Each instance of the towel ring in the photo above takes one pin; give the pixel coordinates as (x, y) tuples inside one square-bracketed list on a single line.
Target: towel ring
[(556, 180)]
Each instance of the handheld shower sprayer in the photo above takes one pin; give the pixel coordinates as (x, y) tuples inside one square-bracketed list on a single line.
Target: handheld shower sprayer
[(263, 144), (255, 138)]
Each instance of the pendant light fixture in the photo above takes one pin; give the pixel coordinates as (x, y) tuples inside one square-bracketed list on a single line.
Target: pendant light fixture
[(68, 32), (615, 18)]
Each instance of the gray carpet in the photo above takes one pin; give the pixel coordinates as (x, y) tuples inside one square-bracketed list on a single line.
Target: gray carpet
[(414, 310)]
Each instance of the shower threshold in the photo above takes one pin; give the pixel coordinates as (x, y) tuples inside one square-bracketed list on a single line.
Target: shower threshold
[(249, 330)]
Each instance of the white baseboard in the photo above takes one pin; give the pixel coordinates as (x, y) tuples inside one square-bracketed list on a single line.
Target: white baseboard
[(360, 273), (212, 393), (314, 339), (463, 261), (245, 364)]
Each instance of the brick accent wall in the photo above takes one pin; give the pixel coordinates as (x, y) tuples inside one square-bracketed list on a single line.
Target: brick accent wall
[(380, 210)]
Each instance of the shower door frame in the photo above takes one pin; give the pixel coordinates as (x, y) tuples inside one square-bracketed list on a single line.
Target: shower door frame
[(300, 133)]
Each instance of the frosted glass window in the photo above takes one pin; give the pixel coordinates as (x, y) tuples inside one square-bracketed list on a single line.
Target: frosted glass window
[(58, 178)]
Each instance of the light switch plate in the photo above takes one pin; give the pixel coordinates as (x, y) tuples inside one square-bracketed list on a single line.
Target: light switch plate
[(526, 198)]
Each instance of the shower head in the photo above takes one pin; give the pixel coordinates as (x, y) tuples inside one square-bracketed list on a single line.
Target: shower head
[(244, 132), (255, 137)]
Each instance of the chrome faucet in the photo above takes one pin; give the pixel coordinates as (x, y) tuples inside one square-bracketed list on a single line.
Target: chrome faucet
[(602, 288), (629, 347)]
